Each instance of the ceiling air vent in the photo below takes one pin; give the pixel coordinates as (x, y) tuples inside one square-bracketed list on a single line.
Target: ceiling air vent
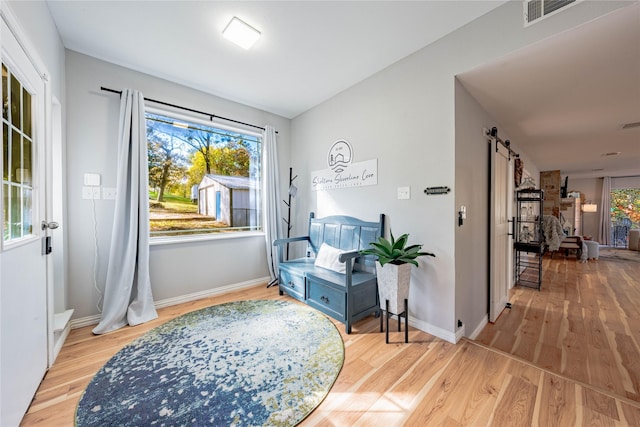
[(535, 10)]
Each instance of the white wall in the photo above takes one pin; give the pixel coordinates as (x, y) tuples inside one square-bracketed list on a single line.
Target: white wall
[(39, 27), (405, 117), (472, 171), (176, 269)]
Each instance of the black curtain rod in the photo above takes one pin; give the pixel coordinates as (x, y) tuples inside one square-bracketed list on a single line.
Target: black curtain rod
[(211, 116)]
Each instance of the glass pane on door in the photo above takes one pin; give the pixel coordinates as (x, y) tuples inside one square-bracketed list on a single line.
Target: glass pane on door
[(5, 152), (5, 213), (17, 158), (5, 93), (16, 108)]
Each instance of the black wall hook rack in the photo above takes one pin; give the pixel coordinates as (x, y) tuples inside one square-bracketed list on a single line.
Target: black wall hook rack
[(437, 190)]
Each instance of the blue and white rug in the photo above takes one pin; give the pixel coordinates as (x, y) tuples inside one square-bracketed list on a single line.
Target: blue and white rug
[(236, 364)]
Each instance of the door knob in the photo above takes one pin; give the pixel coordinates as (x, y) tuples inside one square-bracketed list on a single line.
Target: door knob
[(50, 225)]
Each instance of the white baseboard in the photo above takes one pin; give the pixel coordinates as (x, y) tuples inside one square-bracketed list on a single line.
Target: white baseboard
[(460, 333), (479, 328), (211, 292), (435, 331), (81, 322), (95, 319)]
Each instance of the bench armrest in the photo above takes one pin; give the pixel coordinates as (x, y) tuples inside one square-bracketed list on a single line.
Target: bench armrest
[(344, 256), (348, 258), (280, 244)]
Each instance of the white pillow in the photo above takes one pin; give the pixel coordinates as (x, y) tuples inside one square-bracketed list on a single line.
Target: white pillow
[(328, 258)]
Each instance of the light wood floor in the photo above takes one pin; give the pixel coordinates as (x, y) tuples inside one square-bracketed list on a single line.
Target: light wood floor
[(583, 324), (426, 382)]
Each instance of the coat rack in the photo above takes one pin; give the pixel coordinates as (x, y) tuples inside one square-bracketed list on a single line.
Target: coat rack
[(293, 190)]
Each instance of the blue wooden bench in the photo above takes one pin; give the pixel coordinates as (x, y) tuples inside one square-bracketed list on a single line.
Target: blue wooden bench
[(347, 297)]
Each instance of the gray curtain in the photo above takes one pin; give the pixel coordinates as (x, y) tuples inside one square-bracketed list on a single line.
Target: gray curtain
[(271, 196), (127, 293), (604, 236)]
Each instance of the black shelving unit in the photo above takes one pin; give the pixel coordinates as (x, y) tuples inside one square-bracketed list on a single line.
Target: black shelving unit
[(529, 239)]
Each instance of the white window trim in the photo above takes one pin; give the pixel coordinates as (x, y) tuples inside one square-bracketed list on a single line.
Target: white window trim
[(193, 238), (193, 118)]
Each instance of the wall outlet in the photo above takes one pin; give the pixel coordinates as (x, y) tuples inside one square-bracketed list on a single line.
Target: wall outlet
[(404, 193), (89, 193), (109, 193)]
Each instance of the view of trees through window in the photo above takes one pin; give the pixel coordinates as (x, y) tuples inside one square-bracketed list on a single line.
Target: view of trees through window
[(625, 213), (201, 178)]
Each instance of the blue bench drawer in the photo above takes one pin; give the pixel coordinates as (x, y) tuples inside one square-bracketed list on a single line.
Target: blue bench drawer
[(329, 300), (293, 284)]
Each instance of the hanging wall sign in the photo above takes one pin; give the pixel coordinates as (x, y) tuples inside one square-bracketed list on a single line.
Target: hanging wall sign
[(342, 171)]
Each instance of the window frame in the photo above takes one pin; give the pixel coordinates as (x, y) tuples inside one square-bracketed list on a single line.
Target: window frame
[(14, 70), (157, 240)]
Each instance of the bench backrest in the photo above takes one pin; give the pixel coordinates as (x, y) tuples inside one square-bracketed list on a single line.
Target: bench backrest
[(345, 233)]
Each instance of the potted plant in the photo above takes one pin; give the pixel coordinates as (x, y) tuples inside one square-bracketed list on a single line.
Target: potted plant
[(393, 267)]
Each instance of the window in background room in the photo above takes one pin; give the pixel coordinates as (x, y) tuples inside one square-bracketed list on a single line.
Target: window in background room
[(202, 178), (625, 214)]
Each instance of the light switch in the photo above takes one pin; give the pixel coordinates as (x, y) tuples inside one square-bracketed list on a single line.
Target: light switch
[(92, 179), (404, 193)]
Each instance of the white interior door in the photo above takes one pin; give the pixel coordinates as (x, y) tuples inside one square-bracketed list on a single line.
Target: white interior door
[(23, 271), (501, 254)]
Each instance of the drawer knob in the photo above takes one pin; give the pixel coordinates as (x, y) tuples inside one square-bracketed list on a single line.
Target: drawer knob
[(291, 284), (324, 299)]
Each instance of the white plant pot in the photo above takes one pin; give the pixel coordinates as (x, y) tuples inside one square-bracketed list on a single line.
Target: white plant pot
[(393, 285)]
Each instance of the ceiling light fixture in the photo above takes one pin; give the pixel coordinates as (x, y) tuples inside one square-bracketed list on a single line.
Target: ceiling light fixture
[(241, 33)]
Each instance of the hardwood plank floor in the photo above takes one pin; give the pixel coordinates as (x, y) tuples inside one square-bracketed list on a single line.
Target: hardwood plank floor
[(425, 382), (583, 324)]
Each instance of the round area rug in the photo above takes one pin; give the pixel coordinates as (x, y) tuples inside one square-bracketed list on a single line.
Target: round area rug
[(236, 364)]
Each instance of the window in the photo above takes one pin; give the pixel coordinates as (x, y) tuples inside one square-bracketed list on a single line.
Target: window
[(625, 214), (17, 159), (202, 179)]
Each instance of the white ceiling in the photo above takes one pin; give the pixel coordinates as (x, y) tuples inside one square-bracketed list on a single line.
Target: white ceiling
[(308, 52), (565, 99), (562, 100)]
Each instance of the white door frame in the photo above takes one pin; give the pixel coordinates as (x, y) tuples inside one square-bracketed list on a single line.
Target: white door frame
[(29, 49), (11, 23)]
